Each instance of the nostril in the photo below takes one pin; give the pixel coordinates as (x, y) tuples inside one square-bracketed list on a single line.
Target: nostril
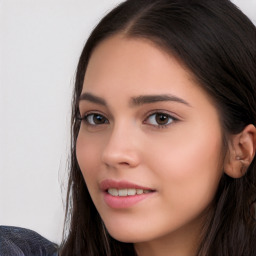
[(124, 163)]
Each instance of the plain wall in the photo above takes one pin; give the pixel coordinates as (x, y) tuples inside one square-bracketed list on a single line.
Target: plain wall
[(40, 43)]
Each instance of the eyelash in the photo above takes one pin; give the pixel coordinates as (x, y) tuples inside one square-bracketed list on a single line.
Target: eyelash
[(86, 116), (171, 119)]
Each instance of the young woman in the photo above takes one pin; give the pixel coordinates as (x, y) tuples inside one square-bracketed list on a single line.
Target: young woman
[(163, 138)]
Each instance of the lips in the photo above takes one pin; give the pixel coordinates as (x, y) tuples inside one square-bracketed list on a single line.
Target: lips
[(127, 191), (123, 194), (107, 184)]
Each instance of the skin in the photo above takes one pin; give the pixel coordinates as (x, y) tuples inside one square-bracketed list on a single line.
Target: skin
[(180, 161)]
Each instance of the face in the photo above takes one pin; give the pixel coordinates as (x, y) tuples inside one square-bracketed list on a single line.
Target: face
[(149, 144)]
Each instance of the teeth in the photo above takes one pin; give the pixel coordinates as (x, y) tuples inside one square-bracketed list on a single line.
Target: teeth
[(127, 191), (122, 192), (139, 191), (113, 191), (131, 191)]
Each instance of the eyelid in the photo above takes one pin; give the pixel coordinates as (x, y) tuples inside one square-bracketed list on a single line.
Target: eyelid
[(84, 116), (159, 111)]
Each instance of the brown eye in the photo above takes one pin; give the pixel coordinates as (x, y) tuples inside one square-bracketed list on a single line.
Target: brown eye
[(95, 119), (160, 119)]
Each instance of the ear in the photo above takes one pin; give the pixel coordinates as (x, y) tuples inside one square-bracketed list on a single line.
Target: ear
[(241, 151)]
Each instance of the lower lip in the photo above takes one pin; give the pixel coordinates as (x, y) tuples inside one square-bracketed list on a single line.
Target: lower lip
[(121, 202)]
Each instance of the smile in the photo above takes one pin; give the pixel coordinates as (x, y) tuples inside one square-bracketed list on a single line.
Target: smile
[(124, 194), (127, 191)]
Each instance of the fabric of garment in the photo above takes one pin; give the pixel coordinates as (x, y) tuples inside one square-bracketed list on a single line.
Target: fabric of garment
[(16, 241)]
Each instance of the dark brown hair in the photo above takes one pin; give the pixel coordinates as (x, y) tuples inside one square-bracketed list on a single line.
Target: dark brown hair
[(217, 43)]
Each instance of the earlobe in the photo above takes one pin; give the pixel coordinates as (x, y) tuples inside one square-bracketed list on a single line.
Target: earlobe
[(241, 151)]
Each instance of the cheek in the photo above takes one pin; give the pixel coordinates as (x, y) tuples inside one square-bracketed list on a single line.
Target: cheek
[(188, 166), (88, 155)]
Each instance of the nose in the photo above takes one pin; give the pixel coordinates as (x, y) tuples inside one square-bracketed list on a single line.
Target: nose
[(121, 148)]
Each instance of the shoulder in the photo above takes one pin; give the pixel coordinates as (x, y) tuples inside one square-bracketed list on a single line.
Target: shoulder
[(16, 241)]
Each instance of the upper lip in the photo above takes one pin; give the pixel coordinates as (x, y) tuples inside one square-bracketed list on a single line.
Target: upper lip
[(108, 183)]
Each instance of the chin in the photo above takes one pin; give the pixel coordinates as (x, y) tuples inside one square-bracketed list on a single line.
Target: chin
[(124, 237), (127, 236)]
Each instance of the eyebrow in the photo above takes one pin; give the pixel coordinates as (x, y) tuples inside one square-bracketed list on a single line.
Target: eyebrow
[(92, 98), (136, 101), (147, 99)]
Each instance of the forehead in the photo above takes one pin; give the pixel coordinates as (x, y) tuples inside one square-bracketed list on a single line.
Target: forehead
[(121, 51), (134, 66)]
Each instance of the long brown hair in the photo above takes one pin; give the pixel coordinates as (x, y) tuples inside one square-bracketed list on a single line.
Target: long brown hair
[(217, 43)]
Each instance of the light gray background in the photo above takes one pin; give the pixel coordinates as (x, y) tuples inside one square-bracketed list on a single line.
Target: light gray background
[(40, 43)]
